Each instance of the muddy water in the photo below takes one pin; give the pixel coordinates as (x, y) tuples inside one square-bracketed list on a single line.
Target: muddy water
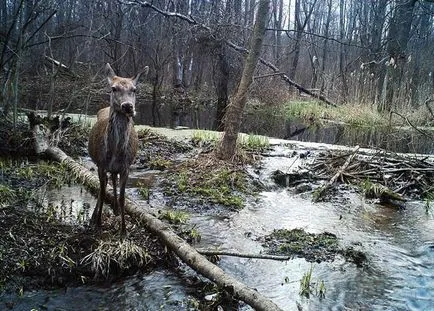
[(399, 245)]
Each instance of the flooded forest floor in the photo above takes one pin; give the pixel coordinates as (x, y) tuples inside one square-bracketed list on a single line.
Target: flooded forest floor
[(51, 246)]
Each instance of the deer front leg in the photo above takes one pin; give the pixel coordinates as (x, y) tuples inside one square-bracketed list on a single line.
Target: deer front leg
[(96, 216), (115, 205), (122, 184)]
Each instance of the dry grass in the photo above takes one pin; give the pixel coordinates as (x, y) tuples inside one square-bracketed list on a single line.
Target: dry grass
[(358, 114), (116, 254)]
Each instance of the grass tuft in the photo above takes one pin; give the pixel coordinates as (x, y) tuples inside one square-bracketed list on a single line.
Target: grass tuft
[(254, 142), (202, 137), (118, 255)]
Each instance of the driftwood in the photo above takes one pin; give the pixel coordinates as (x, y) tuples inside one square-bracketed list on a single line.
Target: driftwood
[(338, 174), (244, 255), (181, 248), (387, 176)]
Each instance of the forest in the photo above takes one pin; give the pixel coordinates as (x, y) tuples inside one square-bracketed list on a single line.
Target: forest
[(377, 53), (225, 219)]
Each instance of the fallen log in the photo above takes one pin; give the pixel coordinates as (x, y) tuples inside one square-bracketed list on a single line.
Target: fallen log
[(176, 244)]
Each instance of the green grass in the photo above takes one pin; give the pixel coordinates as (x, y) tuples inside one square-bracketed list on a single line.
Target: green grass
[(144, 191), (201, 137), (308, 286), (358, 115), (254, 142), (175, 217), (221, 186), (250, 141), (306, 283), (7, 195)]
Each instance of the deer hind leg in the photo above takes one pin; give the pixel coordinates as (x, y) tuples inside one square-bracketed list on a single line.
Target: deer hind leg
[(115, 205), (96, 216), (122, 185)]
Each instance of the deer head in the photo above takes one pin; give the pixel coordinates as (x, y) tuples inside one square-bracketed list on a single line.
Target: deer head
[(123, 91)]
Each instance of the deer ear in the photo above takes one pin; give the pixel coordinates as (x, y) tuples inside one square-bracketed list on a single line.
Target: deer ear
[(143, 72), (110, 73)]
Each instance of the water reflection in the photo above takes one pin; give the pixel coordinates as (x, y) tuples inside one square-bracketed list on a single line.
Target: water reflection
[(388, 138), (156, 291)]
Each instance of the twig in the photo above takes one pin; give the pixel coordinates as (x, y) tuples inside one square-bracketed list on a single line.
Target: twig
[(337, 175), (411, 124), (243, 255)]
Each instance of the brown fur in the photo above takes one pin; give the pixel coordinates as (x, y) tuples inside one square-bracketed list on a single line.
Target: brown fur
[(113, 142)]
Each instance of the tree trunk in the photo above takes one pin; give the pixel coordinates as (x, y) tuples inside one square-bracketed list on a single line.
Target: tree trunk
[(342, 52), (235, 109), (379, 11), (221, 80), (181, 248), (399, 35), (325, 46), (298, 35)]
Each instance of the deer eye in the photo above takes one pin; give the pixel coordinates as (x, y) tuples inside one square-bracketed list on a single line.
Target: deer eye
[(114, 89)]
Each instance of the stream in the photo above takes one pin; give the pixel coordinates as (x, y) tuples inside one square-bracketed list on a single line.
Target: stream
[(399, 245)]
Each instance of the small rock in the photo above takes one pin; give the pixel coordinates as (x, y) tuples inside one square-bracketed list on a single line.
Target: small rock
[(303, 188)]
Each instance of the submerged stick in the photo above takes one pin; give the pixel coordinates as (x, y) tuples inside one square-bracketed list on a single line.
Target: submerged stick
[(243, 255)]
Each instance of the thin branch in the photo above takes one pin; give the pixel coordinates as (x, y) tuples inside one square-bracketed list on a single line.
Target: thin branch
[(40, 27), (236, 47), (268, 75), (411, 124), (243, 255)]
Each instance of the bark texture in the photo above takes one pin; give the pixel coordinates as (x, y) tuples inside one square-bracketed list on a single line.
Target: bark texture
[(235, 109)]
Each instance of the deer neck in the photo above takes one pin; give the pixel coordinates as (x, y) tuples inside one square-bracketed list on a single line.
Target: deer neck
[(117, 140)]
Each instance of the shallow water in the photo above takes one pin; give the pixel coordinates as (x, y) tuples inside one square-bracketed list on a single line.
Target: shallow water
[(393, 139), (399, 245), (159, 290)]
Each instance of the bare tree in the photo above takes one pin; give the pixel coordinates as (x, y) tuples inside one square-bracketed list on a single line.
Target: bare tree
[(235, 109), (398, 37)]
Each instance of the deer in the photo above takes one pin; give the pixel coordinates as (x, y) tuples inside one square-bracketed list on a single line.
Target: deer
[(113, 142)]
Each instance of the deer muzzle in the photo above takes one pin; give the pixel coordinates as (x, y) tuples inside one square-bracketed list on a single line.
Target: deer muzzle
[(128, 109)]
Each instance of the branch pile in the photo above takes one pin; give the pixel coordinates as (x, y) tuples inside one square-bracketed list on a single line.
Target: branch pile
[(404, 176)]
